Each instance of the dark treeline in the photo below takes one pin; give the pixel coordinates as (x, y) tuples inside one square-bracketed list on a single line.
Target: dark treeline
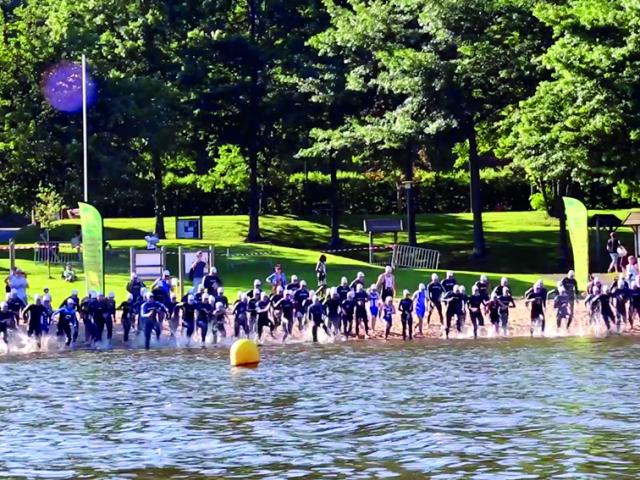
[(334, 106)]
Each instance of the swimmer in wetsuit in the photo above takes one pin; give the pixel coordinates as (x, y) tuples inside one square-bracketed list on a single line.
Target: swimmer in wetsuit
[(316, 314), (388, 311), (435, 291), (420, 300), (406, 315), (68, 324)]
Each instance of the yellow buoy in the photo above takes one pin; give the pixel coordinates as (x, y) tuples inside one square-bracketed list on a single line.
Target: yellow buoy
[(244, 353)]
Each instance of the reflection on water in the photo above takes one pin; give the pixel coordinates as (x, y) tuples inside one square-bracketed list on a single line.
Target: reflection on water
[(496, 409)]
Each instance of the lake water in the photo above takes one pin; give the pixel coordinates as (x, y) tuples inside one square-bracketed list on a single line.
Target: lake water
[(517, 408)]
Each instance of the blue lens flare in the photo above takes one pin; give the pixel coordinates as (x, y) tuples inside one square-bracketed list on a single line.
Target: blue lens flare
[(62, 87)]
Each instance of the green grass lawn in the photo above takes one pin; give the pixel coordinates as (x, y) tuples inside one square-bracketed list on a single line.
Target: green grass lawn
[(238, 272), (517, 241)]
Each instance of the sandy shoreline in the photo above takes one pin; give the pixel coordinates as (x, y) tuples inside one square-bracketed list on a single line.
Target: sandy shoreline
[(519, 326)]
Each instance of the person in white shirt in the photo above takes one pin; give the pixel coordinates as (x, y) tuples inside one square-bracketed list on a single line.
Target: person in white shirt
[(152, 241)]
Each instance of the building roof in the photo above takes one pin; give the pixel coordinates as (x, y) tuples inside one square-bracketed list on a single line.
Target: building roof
[(606, 220), (633, 220)]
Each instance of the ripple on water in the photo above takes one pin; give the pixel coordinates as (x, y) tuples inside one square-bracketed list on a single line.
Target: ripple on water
[(564, 408)]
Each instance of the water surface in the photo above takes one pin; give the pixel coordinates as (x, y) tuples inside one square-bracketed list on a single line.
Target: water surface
[(566, 408)]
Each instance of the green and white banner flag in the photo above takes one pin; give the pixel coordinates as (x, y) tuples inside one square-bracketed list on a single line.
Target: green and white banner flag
[(577, 219), (92, 247)]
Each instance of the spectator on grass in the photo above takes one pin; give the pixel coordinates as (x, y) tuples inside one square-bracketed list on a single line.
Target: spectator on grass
[(152, 241), (198, 267), (69, 274), (76, 240), (20, 284), (612, 249), (9, 279), (632, 269), (277, 278)]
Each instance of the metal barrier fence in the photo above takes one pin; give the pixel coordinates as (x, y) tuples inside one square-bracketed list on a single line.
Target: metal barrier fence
[(56, 253), (415, 257)]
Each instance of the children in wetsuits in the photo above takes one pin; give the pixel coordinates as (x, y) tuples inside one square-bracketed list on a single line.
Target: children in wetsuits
[(506, 301), (240, 313), (316, 313), (150, 311), (483, 288), (537, 300), (435, 291), (7, 317), (420, 300), (262, 309), (67, 322), (604, 301), (620, 296), (493, 307), (406, 315), (570, 285), (453, 300), (188, 310), (204, 311), (343, 289), (218, 323), (361, 298), (333, 309), (388, 311), (475, 303), (374, 306), (449, 282), (300, 301), (126, 319), (286, 306), (33, 315), (348, 307)]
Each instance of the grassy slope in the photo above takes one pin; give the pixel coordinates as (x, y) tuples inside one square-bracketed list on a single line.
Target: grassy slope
[(519, 242)]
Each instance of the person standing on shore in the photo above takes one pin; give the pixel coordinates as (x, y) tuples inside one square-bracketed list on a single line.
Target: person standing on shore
[(612, 249), (387, 282), (435, 292), (198, 269), (420, 299), (321, 275)]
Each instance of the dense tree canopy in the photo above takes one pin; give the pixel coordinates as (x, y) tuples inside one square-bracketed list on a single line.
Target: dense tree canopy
[(216, 106)]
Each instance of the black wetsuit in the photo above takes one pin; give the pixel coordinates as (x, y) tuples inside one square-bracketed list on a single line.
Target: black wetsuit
[(435, 292), (263, 317), (348, 309), (204, 311), (68, 324), (34, 313), (240, 318), (332, 308), (475, 304), (316, 311), (361, 298), (406, 317)]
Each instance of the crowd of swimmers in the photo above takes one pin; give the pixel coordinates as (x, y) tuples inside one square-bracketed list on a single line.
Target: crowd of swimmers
[(346, 310)]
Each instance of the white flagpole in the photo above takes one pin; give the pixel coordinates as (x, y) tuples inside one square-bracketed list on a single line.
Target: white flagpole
[(84, 128)]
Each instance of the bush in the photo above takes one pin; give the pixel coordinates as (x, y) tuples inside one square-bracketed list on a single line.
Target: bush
[(375, 193)]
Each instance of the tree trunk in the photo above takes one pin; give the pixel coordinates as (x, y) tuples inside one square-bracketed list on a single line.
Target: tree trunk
[(334, 199), (475, 194), (411, 211), (254, 126), (158, 194)]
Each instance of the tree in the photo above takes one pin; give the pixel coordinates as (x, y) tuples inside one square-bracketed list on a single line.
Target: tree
[(47, 208), (433, 70)]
